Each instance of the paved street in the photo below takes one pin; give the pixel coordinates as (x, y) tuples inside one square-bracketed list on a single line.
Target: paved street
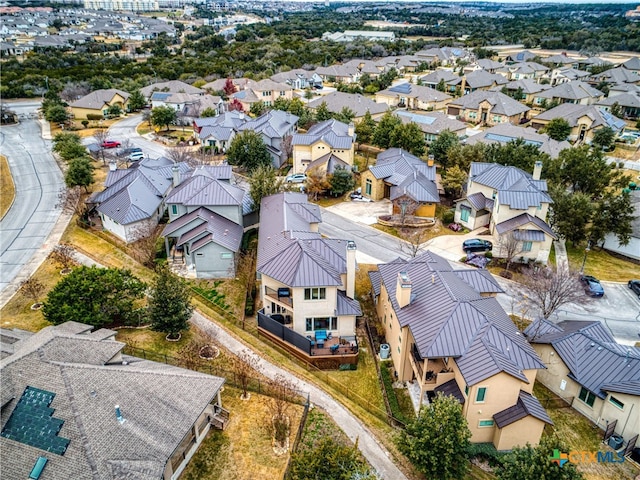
[(38, 181)]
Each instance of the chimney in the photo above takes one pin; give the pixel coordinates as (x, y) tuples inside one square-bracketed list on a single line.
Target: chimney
[(176, 175), (351, 269), (430, 160), (113, 166), (403, 290), (119, 416), (351, 129), (537, 170)]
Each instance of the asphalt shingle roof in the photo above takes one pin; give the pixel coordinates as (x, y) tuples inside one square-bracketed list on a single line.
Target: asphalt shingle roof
[(99, 98), (501, 104), (357, 103)]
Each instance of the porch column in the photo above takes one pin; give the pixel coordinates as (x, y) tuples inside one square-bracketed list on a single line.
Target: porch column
[(219, 399), (166, 246), (423, 379)]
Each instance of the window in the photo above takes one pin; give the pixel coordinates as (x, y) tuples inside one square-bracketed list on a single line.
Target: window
[(399, 339), (282, 94), (466, 390), (226, 255), (315, 293), (473, 114), (526, 246), (485, 423), (616, 402), (481, 394), (321, 323), (174, 209), (368, 186), (464, 213), (586, 396)]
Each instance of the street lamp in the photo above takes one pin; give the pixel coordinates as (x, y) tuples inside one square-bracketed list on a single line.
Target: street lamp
[(584, 259)]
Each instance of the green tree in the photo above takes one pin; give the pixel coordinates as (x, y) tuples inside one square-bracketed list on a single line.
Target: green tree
[(462, 155), (346, 115), (258, 108), (163, 116), (281, 103), (264, 181), (56, 114), (114, 110), (137, 101), (436, 442), (79, 173), (329, 460), (409, 137), (516, 153), (603, 138), (169, 303), (386, 125), (613, 213), (323, 113), (441, 87), (248, 150), (341, 181), (526, 463), (296, 107), (558, 129), (570, 213), (454, 179), (96, 296), (441, 145), (208, 112), (364, 128)]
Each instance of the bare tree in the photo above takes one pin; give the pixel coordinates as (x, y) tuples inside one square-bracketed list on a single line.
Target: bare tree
[(101, 136), (32, 289), (413, 239), (71, 200), (63, 255), (184, 154), (550, 288), (144, 248), (317, 183), (282, 393), (287, 146), (510, 247), (245, 366), (405, 206)]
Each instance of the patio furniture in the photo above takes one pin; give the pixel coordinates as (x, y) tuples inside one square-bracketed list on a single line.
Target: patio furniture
[(321, 336), (334, 348), (313, 344)]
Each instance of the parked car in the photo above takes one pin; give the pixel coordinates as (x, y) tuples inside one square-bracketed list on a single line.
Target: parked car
[(592, 286), (357, 197), (135, 156), (110, 144), (296, 178), (128, 151), (477, 245), (634, 285)]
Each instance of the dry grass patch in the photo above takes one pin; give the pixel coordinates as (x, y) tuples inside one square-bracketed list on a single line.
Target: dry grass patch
[(602, 264), (7, 188), (155, 342)]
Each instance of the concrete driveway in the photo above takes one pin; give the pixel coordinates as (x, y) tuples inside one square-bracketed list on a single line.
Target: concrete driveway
[(366, 213), (450, 246)]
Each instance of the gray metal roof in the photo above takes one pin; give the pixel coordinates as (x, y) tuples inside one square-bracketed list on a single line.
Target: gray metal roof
[(501, 104), (524, 219), (347, 306), (515, 187), (432, 122), (593, 357), (332, 132), (527, 405), (274, 124), (202, 190), (448, 317), (450, 388), (159, 402), (209, 226)]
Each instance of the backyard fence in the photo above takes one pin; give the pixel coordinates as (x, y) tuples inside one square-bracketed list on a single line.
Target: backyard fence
[(556, 402), (299, 433)]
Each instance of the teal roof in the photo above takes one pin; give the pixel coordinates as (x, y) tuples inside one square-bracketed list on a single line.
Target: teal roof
[(32, 423)]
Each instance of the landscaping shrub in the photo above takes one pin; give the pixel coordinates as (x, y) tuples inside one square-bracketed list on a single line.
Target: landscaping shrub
[(488, 255), (94, 116), (506, 274), (487, 452), (391, 394), (448, 216)]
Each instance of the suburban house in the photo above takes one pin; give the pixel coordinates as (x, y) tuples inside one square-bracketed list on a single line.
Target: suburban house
[(186, 104), (274, 127), (615, 75), (217, 132), (353, 35), (328, 142), (629, 103), (481, 80), (266, 91), (447, 333), (433, 124), (488, 108), (590, 370), (589, 63), (511, 203), (576, 92), (485, 64), (558, 76), (445, 78), (339, 73), (298, 79), (172, 86), (98, 102), (523, 71), (307, 281), (443, 56), (584, 120), (523, 56), (369, 67), (206, 220), (87, 410), (413, 97), (525, 90), (133, 200), (561, 60), (506, 132), (631, 249), (404, 179), (219, 84), (358, 104), (633, 65)]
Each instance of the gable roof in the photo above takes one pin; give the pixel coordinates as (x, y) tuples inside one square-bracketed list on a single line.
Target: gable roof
[(87, 376), (528, 86), (99, 98), (273, 124), (482, 78), (594, 359), (515, 187), (409, 90), (617, 75), (527, 404), (357, 103), (332, 132), (632, 64), (432, 122), (448, 317), (536, 235), (572, 112), (575, 90), (446, 76), (502, 104), (521, 56), (203, 188), (173, 86)]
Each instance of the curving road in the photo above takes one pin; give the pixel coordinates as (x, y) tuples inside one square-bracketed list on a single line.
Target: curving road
[(38, 180)]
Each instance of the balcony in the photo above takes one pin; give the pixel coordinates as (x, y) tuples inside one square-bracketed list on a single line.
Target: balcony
[(284, 300), (436, 373)]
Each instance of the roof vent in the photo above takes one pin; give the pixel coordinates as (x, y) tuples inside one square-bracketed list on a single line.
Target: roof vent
[(119, 416), (433, 278)]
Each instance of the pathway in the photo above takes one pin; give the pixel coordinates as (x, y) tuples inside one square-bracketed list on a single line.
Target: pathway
[(562, 261)]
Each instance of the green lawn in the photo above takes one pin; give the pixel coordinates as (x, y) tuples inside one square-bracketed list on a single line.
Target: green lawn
[(603, 265)]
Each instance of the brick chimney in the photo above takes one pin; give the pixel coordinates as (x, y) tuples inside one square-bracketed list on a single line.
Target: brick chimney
[(351, 269), (403, 289), (176, 175)]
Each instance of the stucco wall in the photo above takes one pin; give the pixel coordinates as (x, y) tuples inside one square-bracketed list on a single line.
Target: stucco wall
[(526, 430), (209, 261), (377, 186)]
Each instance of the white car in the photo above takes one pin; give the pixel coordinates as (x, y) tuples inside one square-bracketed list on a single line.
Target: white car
[(135, 156), (296, 178)]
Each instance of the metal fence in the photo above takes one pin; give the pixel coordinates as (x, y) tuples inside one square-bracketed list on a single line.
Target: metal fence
[(299, 434), (287, 334)]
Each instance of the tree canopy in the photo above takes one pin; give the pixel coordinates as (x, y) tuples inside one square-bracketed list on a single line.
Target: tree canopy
[(558, 129), (248, 150), (440, 147), (341, 181), (163, 116), (169, 303), (264, 181), (96, 296)]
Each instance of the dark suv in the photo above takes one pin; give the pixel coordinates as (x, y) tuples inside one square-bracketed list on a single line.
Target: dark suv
[(477, 245), (634, 285), (592, 286)]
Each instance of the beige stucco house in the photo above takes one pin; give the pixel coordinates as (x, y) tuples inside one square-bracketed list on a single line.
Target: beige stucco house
[(488, 108), (99, 102), (511, 203), (413, 97), (447, 333), (326, 142), (589, 369)]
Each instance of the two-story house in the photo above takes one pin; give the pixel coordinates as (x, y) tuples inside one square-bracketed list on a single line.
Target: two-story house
[(274, 127), (328, 142), (298, 79), (358, 104), (446, 78), (217, 132), (447, 333), (508, 201), (172, 86), (589, 369), (305, 279)]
